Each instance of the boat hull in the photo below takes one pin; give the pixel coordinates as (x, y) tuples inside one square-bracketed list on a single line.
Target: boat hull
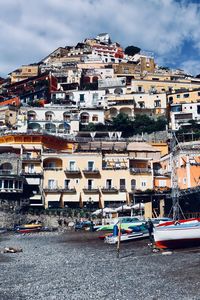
[(28, 230), (126, 237), (176, 244), (177, 234)]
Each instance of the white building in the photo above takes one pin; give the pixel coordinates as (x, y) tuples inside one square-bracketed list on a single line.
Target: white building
[(181, 114)]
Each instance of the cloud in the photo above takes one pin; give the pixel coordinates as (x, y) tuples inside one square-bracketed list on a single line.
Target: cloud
[(191, 67), (32, 29)]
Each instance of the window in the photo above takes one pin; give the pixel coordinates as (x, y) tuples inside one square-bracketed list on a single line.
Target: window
[(122, 183), (157, 103), (90, 184), (10, 184), (31, 168), (90, 165), (184, 180), (139, 88), (198, 93), (52, 184), (72, 165), (178, 96), (82, 98), (95, 118), (141, 104), (143, 183), (162, 183), (66, 183), (1, 184), (133, 184), (198, 109), (51, 165), (186, 95), (108, 183)]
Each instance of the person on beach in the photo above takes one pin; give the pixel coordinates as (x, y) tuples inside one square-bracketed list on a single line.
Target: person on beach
[(150, 228)]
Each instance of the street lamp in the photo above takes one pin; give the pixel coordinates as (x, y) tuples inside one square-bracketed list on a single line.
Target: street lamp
[(89, 203)]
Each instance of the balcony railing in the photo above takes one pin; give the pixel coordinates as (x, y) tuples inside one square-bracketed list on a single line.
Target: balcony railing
[(28, 158), (69, 190), (122, 188), (53, 189), (91, 171), (31, 173), (60, 189), (72, 171), (52, 168), (114, 168), (140, 170), (109, 190), (90, 189)]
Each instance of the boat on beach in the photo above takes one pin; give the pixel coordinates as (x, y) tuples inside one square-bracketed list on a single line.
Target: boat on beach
[(178, 234), (125, 223), (111, 239), (28, 228)]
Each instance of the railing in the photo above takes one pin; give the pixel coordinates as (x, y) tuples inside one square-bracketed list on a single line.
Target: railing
[(91, 170), (25, 157), (115, 168), (109, 189), (31, 173), (122, 188), (90, 189), (52, 168), (140, 170), (6, 172), (72, 171)]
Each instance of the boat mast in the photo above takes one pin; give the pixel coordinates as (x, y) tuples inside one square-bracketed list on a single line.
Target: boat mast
[(175, 194)]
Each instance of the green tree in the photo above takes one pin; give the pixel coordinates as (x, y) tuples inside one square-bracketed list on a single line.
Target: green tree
[(122, 122), (132, 50)]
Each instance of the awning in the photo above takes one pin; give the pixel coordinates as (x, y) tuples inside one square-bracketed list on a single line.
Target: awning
[(35, 197), (70, 198), (52, 197)]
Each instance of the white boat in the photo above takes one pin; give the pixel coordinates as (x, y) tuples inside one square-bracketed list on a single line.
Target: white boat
[(126, 237), (177, 234)]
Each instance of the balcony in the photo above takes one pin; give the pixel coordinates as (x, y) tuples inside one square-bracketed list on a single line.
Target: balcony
[(122, 188), (31, 173), (72, 171), (26, 158), (52, 168), (109, 190), (90, 190), (91, 171), (68, 190), (55, 189), (140, 170)]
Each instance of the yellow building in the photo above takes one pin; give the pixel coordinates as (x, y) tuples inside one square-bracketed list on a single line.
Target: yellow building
[(23, 73), (60, 173), (105, 173)]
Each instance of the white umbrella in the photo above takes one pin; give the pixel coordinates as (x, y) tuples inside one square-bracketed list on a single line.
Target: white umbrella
[(123, 207), (106, 210), (138, 206)]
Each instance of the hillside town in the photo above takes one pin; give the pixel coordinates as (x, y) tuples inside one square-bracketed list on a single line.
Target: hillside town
[(95, 125)]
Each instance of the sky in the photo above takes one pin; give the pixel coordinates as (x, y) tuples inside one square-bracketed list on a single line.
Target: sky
[(30, 30)]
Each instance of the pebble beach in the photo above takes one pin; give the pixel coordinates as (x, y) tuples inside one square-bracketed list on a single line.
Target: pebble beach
[(77, 265)]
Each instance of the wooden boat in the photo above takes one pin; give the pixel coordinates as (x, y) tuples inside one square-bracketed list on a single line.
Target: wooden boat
[(28, 228), (111, 239), (126, 223), (178, 234)]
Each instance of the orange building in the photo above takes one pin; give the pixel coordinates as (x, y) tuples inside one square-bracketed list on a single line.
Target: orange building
[(12, 101)]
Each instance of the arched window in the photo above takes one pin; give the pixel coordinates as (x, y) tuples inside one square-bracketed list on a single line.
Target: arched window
[(6, 168), (31, 115), (133, 184), (95, 118), (49, 116)]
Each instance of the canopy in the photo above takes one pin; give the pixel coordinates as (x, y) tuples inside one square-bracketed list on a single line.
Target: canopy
[(106, 210), (137, 206)]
